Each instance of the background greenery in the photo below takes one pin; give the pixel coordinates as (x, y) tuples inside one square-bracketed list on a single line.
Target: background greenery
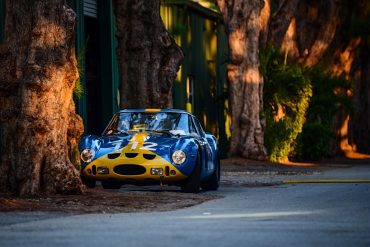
[(308, 100)]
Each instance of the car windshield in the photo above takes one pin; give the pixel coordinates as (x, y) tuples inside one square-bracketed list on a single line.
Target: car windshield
[(173, 123)]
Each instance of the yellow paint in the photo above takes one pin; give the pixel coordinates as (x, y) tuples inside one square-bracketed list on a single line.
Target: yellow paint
[(188, 107), (152, 110), (136, 145)]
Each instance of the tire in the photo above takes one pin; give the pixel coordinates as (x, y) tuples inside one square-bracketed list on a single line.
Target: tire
[(111, 185), (88, 182), (214, 181), (192, 183)]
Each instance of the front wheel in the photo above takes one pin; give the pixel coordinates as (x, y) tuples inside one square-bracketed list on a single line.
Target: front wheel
[(192, 183), (214, 182), (88, 182), (112, 185)]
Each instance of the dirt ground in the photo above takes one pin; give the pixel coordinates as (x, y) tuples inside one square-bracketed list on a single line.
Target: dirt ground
[(235, 172)]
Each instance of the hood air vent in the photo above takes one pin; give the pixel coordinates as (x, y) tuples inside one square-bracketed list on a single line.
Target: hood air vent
[(149, 156), (113, 155), (131, 155)]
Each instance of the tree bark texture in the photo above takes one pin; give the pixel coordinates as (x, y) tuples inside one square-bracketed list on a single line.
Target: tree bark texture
[(148, 56), (39, 124), (304, 29), (243, 25)]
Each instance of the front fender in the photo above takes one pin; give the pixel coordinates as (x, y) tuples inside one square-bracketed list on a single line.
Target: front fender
[(191, 149)]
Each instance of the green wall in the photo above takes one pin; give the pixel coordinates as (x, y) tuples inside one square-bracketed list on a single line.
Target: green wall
[(201, 35), (108, 69)]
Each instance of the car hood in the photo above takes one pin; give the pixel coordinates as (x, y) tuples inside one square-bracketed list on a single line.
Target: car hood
[(160, 144)]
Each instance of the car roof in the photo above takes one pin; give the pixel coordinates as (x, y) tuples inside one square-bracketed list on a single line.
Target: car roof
[(153, 110)]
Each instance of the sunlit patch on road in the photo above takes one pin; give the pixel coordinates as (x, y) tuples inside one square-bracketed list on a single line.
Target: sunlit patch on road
[(209, 215)]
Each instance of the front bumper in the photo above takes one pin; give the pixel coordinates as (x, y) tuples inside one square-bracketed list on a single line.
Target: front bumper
[(126, 168)]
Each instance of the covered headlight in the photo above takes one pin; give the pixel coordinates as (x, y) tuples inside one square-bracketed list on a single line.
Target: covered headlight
[(87, 155), (178, 157)]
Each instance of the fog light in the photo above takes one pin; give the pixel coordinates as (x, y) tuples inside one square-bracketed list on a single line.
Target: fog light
[(156, 171), (173, 172), (103, 170)]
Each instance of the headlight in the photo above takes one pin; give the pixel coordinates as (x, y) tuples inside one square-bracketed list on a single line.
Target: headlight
[(178, 157), (87, 155)]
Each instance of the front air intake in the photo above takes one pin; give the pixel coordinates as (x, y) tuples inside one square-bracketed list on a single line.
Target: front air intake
[(129, 169)]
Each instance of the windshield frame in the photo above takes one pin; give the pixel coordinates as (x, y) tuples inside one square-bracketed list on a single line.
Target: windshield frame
[(177, 123)]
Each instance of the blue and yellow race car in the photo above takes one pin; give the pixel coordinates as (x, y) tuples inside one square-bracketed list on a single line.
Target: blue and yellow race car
[(151, 146)]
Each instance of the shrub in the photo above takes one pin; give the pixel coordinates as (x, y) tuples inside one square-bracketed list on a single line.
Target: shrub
[(300, 105), (287, 91), (313, 143)]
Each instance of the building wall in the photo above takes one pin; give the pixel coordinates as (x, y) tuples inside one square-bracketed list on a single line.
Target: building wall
[(201, 86), (95, 48)]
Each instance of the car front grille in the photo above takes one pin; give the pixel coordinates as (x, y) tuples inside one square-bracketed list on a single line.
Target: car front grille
[(129, 169)]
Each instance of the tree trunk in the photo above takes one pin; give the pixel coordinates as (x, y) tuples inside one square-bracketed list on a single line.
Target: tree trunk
[(361, 117), (281, 20), (243, 25), (148, 57), (39, 123)]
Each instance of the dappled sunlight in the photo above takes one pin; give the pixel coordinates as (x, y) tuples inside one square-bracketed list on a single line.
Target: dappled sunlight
[(210, 46), (47, 31), (227, 119), (350, 154), (208, 215), (166, 15), (346, 59), (298, 164), (204, 119), (343, 134), (349, 151), (252, 76), (279, 114), (237, 45), (289, 43)]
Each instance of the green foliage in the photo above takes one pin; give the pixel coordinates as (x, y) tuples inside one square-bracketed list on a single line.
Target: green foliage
[(308, 100), (313, 143), (330, 95), (286, 87), (79, 90)]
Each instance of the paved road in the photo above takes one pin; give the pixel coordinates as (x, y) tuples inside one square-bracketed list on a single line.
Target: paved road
[(323, 214)]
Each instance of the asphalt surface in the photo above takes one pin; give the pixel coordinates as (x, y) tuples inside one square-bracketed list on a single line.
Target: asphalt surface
[(302, 214)]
